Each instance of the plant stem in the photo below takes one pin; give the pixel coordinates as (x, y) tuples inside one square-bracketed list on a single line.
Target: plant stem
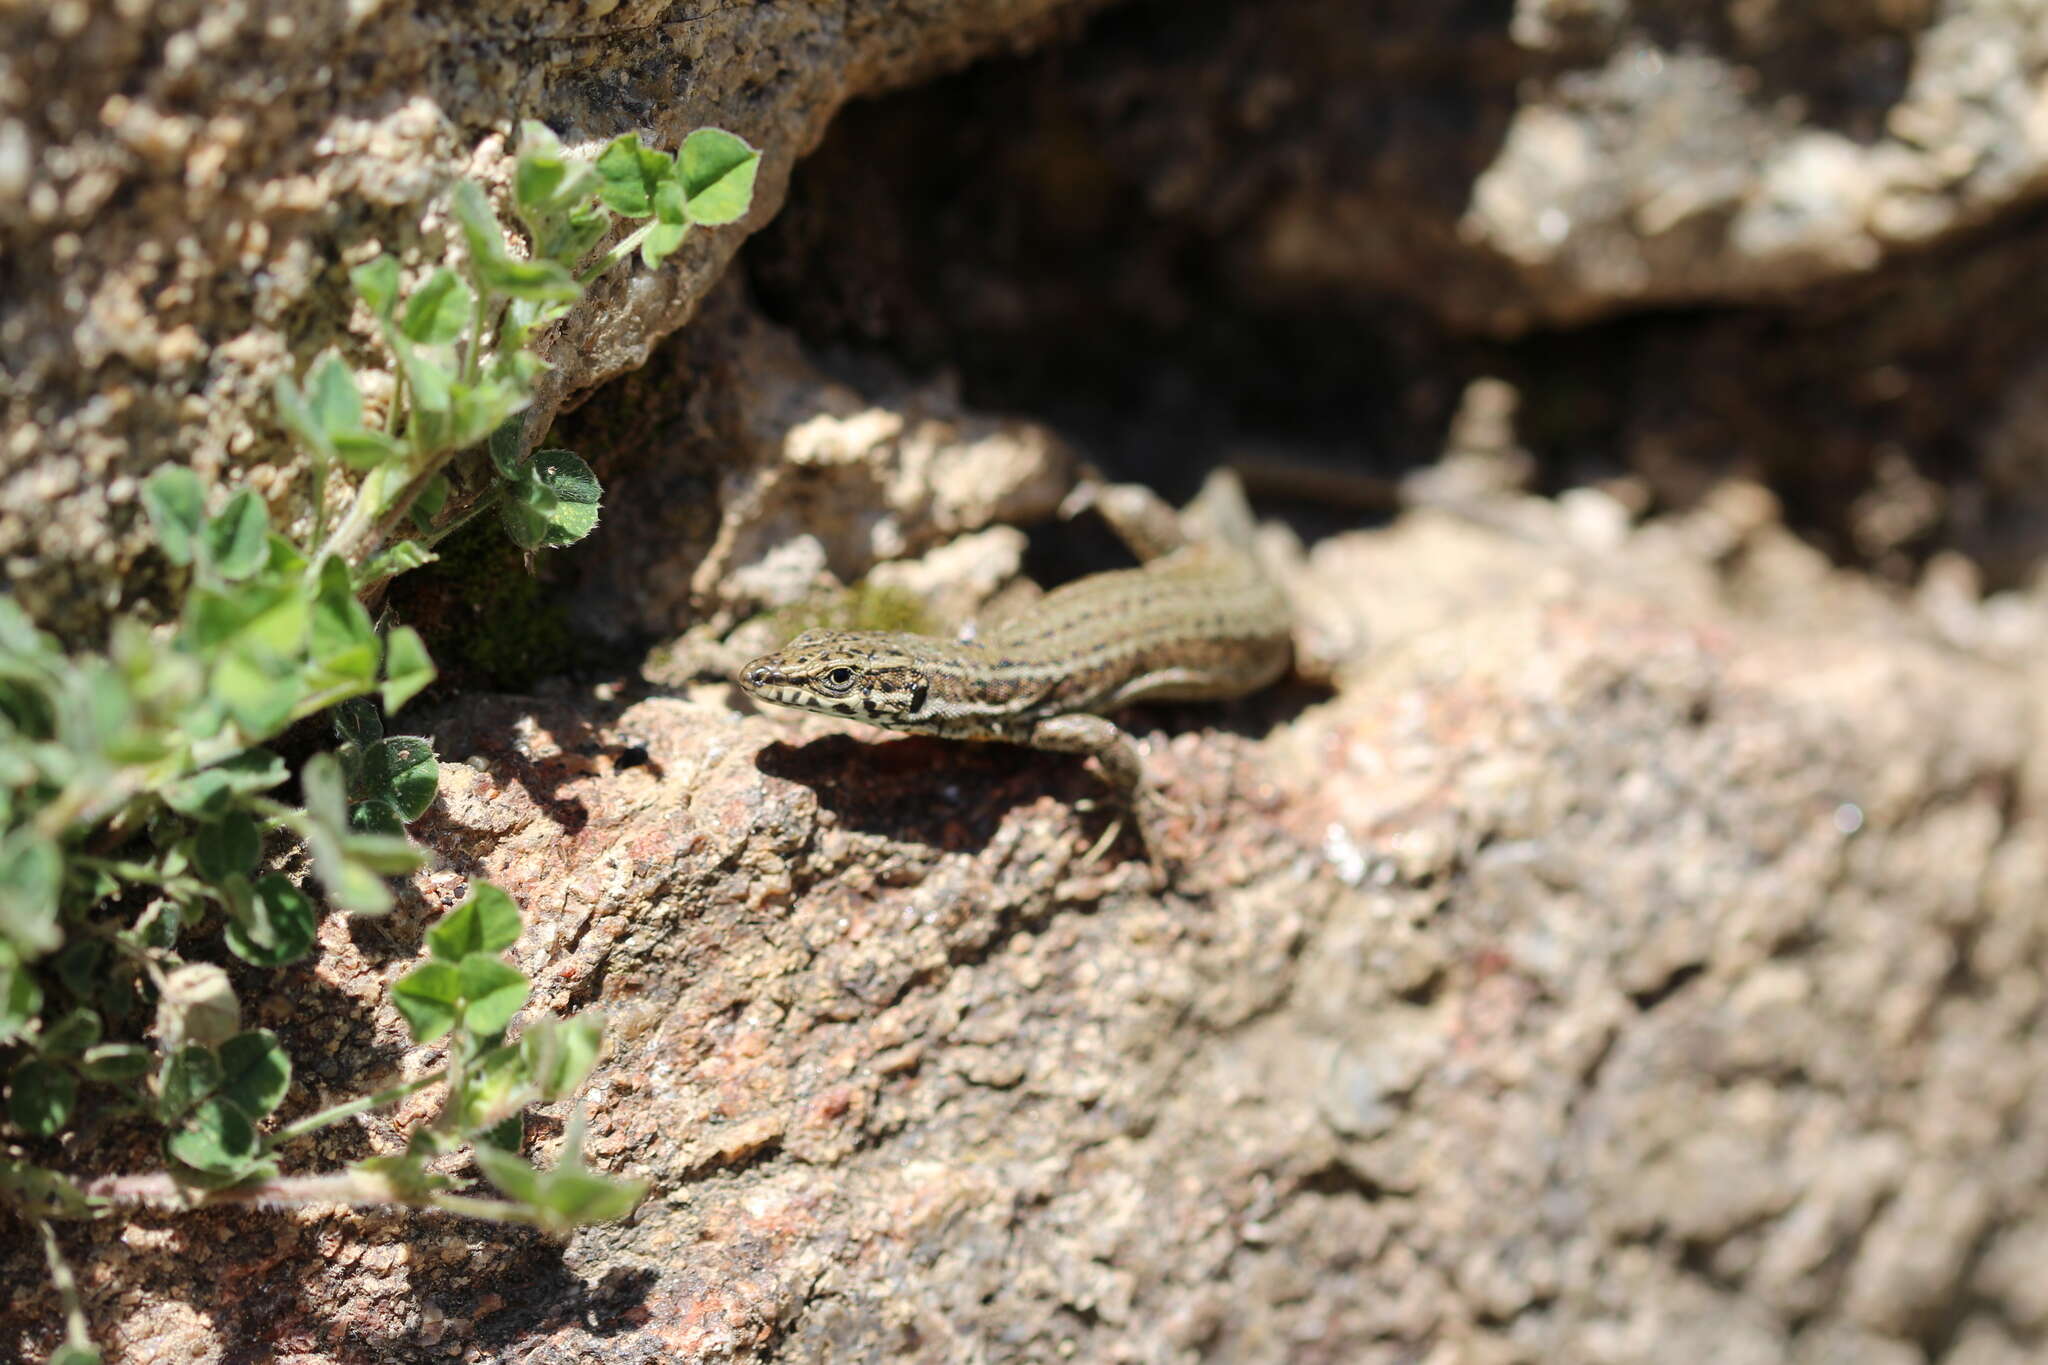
[(626, 247), (348, 1109), (76, 1332)]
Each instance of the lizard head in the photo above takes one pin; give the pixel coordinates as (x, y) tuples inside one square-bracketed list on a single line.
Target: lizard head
[(873, 676)]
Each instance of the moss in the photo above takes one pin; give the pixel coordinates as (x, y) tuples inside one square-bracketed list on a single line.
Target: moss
[(864, 606), (489, 621)]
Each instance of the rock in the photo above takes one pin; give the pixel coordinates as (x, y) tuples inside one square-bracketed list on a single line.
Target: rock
[(1685, 1056), (191, 181)]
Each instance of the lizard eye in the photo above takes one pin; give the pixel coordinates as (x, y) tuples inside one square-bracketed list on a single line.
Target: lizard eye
[(839, 679)]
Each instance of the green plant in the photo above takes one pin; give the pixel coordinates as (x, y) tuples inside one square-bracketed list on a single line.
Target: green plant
[(143, 817)]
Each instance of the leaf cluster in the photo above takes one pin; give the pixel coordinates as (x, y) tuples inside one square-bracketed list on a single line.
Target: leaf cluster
[(143, 810)]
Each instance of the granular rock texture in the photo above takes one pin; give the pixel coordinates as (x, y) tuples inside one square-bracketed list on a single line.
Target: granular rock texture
[(184, 184), (1631, 950), (1600, 972)]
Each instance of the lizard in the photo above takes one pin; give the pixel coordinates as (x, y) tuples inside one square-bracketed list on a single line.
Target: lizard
[(1198, 620)]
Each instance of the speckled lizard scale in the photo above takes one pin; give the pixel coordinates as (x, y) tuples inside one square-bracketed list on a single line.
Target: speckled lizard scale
[(1198, 621)]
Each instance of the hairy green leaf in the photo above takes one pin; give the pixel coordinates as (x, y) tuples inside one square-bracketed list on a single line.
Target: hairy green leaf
[(718, 172), (116, 1063), (376, 284), (475, 410), (439, 311), (494, 992), (356, 722), (226, 847), (429, 997), (382, 855), (320, 784), (375, 816), (407, 668), (216, 1138), (71, 1035), (177, 508), (397, 558), (629, 172), (21, 999), (508, 448), (567, 1197), (487, 921), (344, 642), (331, 393), (258, 687), (189, 1075), (42, 1097), (361, 448), (296, 412), (255, 1072), (432, 498), (661, 242), (576, 490), (280, 925), (31, 874), (237, 542), (560, 1053), (401, 770)]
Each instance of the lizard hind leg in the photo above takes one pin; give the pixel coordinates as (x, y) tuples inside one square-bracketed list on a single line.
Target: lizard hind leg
[(1121, 764)]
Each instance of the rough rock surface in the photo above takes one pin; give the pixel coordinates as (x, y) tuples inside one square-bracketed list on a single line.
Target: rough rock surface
[(1634, 954), (1798, 243), (1629, 961), (183, 184)]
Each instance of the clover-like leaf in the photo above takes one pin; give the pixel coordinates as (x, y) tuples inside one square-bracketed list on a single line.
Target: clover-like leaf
[(177, 509), (356, 722), (492, 991), (440, 310), (116, 1063), (718, 171), (629, 172), (487, 921), (216, 1138), (189, 1075), (401, 770), (376, 284), (429, 997), (226, 847), (570, 1195), (560, 1053), (71, 1035), (397, 558), (407, 668), (280, 925), (492, 267), (255, 1072), (508, 448), (344, 643), (41, 1098), (237, 541), (257, 687), (661, 242), (296, 412), (557, 503), (362, 448), (376, 816), (382, 855), (21, 999), (432, 498), (331, 393), (31, 874)]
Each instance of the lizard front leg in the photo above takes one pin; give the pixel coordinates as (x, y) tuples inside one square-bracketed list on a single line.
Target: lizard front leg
[(1121, 763)]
